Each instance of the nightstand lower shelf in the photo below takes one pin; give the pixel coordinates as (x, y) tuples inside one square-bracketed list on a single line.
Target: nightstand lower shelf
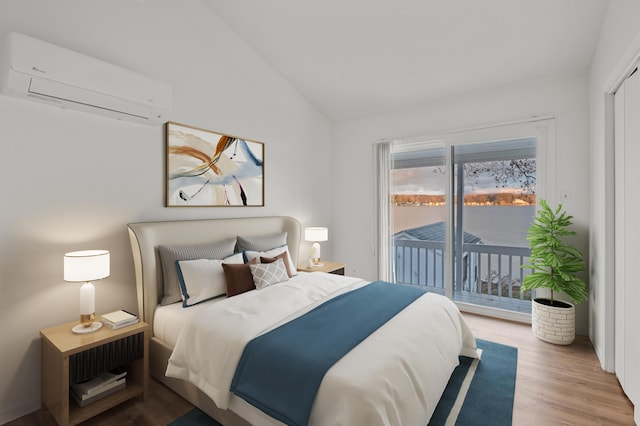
[(62, 350), (79, 414)]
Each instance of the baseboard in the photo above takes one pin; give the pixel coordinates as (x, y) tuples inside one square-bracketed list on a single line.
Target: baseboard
[(581, 331), (505, 315), (11, 413)]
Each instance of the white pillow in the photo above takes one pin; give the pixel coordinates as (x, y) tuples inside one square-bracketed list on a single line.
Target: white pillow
[(203, 279), (266, 274), (249, 254), (234, 258)]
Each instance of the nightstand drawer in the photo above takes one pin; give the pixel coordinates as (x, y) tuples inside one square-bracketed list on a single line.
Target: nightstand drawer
[(87, 364)]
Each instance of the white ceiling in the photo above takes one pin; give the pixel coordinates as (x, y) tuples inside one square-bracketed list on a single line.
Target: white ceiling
[(358, 58)]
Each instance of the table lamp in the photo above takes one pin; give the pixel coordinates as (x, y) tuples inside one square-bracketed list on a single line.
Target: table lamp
[(315, 234), (86, 266)]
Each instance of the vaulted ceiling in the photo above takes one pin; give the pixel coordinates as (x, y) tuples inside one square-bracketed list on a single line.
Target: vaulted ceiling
[(359, 58)]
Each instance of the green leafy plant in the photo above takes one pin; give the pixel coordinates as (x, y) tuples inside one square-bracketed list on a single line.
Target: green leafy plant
[(555, 263)]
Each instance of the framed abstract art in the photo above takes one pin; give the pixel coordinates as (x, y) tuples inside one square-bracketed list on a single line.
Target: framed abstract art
[(209, 169)]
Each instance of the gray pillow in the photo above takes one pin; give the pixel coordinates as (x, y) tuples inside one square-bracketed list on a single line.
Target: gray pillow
[(169, 255), (262, 243)]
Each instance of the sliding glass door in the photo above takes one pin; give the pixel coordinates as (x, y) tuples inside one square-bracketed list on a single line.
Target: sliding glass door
[(460, 215), (494, 204), (418, 182)]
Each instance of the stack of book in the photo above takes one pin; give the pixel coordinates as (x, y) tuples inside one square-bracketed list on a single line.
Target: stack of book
[(97, 388), (119, 319)]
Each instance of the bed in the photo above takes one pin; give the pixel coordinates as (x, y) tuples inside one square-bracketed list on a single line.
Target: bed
[(400, 384)]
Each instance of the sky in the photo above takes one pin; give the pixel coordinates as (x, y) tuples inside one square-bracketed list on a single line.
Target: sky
[(431, 181)]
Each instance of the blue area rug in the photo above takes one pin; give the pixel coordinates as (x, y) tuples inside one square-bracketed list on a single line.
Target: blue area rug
[(194, 417), (488, 400)]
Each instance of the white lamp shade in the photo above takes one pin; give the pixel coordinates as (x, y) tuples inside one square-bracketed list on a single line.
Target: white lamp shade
[(316, 234), (87, 265)]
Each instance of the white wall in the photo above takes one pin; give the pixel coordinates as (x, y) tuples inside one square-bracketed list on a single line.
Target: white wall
[(564, 97), (618, 43), (72, 181)]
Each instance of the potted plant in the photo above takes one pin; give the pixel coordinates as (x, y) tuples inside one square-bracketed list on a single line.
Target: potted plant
[(555, 265)]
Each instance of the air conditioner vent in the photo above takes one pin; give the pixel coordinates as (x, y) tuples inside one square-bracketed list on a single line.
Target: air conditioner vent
[(37, 70)]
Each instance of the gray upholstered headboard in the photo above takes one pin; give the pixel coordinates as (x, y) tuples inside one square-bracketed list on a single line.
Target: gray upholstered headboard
[(145, 237)]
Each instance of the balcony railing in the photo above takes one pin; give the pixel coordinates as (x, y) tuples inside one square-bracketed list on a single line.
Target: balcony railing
[(490, 274)]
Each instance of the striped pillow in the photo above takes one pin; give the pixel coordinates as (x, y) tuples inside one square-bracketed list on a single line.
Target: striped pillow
[(263, 242), (169, 255)]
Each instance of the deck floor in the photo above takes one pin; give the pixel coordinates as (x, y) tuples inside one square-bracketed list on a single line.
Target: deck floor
[(492, 301)]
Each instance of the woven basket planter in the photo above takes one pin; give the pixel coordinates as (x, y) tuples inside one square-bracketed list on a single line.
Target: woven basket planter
[(553, 324)]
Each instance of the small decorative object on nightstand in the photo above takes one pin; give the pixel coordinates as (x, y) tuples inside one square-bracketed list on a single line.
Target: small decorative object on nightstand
[(69, 359), (330, 267)]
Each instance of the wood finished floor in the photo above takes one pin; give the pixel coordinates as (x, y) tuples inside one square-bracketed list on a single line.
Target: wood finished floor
[(555, 385)]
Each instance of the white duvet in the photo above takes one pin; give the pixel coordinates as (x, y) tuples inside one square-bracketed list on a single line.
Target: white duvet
[(395, 377)]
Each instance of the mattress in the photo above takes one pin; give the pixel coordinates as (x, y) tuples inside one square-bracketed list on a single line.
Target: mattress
[(169, 319)]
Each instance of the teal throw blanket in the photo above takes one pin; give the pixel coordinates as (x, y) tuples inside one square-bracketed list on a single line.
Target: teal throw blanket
[(280, 371)]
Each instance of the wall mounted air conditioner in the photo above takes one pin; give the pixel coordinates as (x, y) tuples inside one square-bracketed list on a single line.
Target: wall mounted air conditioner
[(37, 70)]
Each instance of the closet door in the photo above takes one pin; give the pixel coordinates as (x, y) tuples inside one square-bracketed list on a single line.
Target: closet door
[(620, 231), (632, 219), (627, 196)]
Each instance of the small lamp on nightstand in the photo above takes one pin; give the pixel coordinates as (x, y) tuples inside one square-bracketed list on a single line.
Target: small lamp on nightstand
[(86, 266), (315, 234)]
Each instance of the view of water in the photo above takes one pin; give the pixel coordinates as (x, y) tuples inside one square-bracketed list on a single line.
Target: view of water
[(495, 225)]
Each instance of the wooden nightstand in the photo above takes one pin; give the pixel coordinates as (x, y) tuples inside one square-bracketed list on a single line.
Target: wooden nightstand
[(330, 267), (66, 356)]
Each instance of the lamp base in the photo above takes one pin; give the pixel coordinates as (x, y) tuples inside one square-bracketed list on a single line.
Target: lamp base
[(81, 329)]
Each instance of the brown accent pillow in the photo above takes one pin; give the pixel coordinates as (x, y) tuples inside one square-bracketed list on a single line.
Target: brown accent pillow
[(238, 277), (285, 258)]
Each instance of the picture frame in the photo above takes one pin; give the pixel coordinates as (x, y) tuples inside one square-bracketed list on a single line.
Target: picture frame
[(204, 168)]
